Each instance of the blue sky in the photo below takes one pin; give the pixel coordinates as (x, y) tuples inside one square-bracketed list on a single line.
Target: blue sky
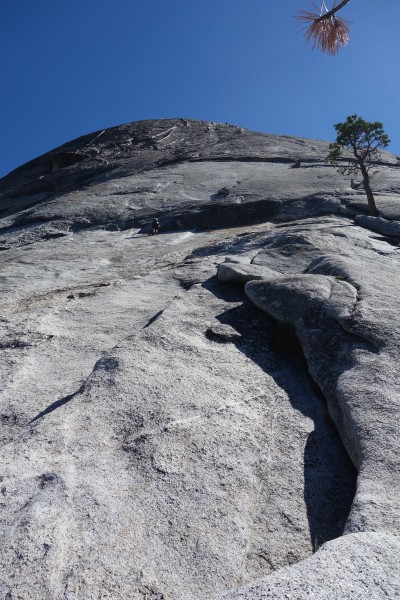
[(70, 67)]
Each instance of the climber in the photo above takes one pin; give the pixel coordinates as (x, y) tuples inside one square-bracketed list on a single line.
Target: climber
[(155, 228), (296, 164)]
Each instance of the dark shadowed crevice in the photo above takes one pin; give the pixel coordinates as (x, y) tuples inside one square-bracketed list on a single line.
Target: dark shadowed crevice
[(107, 363), (153, 319), (61, 160), (329, 475), (54, 406)]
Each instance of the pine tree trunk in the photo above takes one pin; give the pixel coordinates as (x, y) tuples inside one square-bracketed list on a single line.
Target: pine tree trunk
[(370, 197)]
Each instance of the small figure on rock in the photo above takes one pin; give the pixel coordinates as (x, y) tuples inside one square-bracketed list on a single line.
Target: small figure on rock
[(296, 164), (155, 228)]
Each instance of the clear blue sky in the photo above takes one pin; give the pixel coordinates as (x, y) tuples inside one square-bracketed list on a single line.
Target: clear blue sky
[(70, 67)]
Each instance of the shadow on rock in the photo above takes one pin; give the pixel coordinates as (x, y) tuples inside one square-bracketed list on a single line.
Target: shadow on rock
[(329, 475)]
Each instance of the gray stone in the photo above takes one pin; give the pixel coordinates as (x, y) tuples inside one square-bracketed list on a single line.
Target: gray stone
[(161, 436), (349, 334), (383, 226), (353, 567), (177, 168), (241, 273), (223, 334)]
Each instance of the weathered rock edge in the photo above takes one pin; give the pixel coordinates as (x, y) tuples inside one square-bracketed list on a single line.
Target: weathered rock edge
[(354, 370), (343, 305), (353, 567)]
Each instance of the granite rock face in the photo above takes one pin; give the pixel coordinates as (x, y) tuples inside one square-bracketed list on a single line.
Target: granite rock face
[(380, 225), (344, 317), (191, 173), (211, 412), (330, 575)]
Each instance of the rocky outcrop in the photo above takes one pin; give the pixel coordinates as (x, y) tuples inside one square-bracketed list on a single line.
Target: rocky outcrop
[(164, 438), (193, 174), (383, 226), (354, 566), (61, 160), (235, 271), (344, 317)]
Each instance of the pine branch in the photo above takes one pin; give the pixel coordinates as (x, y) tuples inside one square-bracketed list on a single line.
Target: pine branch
[(332, 12), (327, 32)]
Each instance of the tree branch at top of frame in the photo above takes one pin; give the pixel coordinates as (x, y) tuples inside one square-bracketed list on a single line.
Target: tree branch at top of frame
[(325, 30)]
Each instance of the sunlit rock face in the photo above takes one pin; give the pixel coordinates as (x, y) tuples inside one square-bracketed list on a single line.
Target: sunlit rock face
[(211, 412)]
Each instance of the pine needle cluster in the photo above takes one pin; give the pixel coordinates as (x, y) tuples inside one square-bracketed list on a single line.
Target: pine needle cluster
[(324, 29)]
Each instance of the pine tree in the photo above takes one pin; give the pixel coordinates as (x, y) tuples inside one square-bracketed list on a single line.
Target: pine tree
[(362, 139)]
